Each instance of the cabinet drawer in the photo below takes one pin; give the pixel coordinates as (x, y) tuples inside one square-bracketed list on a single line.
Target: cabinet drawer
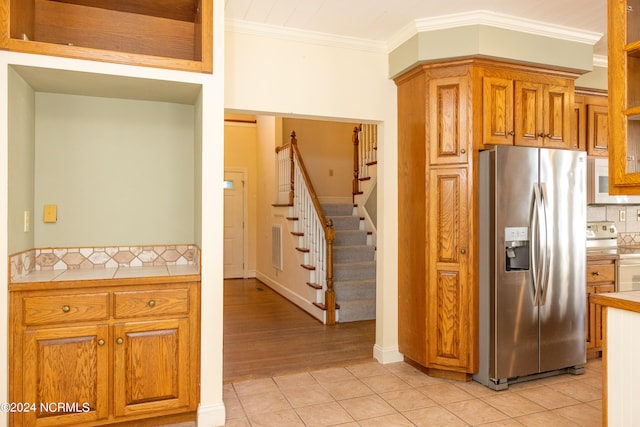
[(601, 273), (65, 308), (152, 302)]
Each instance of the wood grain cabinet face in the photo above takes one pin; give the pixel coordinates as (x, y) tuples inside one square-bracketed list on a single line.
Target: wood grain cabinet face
[(119, 353), (598, 130), (151, 366), (66, 365), (600, 279), (449, 310), (526, 112), (173, 34), (449, 133)]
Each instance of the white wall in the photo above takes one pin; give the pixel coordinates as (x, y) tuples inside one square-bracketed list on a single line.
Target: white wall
[(266, 73)]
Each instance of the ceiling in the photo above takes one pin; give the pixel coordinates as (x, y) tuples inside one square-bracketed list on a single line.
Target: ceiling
[(385, 21)]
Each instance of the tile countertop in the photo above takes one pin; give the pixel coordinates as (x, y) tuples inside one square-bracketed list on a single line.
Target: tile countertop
[(107, 273)]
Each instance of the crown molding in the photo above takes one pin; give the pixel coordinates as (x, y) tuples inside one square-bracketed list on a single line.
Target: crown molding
[(493, 19), (601, 61), (304, 36)]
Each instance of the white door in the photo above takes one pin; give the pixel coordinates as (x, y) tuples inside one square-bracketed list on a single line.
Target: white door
[(233, 224)]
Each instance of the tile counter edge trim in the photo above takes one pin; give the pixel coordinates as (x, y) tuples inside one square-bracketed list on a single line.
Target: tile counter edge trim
[(24, 263)]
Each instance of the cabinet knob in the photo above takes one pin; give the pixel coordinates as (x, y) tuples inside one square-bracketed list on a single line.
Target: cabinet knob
[(549, 135), (511, 133), (463, 151), (152, 303), (463, 251), (119, 340), (66, 308), (100, 342), (596, 273), (541, 135)]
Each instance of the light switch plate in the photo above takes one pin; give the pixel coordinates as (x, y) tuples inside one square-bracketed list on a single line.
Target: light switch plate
[(50, 213)]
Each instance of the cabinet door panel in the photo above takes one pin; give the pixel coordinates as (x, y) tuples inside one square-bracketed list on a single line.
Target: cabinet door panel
[(151, 366), (67, 365), (497, 111), (598, 132), (449, 132), (557, 120), (449, 309), (528, 117)]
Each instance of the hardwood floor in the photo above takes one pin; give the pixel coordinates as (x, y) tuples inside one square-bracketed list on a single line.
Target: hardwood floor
[(266, 335)]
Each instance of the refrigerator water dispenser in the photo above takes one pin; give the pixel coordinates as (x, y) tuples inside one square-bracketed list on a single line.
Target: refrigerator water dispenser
[(516, 242)]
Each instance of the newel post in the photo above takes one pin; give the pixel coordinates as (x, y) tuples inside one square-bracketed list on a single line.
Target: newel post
[(294, 141), (330, 294), (356, 161)]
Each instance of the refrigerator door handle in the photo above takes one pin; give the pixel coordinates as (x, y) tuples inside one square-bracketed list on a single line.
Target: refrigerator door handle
[(537, 261), (546, 255)]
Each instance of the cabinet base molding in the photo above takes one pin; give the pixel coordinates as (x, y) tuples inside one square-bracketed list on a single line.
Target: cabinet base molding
[(160, 421), (440, 373)]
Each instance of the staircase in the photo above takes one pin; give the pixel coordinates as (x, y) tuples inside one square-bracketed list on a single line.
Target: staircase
[(354, 265)]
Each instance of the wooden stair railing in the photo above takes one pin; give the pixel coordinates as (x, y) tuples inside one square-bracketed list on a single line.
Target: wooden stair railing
[(316, 228), (365, 146)]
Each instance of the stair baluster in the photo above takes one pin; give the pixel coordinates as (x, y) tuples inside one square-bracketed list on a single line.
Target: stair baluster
[(316, 230)]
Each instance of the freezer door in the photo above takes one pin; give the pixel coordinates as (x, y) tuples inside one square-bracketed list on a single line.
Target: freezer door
[(515, 315), (563, 298)]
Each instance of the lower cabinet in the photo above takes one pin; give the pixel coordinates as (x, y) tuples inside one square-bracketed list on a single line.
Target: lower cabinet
[(600, 279), (103, 355)]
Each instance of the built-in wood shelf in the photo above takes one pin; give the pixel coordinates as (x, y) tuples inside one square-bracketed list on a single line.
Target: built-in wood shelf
[(173, 34)]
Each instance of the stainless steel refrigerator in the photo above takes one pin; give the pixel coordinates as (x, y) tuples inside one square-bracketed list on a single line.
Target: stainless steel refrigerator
[(532, 260)]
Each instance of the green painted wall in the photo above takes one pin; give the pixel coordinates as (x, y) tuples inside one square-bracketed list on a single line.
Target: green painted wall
[(20, 161), (120, 171)]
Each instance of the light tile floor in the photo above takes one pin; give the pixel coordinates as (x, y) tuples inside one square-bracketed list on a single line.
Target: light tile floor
[(371, 394)]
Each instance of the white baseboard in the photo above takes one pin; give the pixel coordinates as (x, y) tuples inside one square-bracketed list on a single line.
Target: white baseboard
[(211, 415), (387, 355), (292, 296)]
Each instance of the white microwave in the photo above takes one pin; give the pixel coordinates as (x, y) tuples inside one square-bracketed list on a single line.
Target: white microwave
[(598, 185)]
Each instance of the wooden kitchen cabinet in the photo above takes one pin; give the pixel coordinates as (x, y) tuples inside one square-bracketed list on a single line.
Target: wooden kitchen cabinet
[(449, 315), (176, 34), (590, 123), (443, 119), (624, 96), (529, 111), (115, 350), (600, 279), (437, 296)]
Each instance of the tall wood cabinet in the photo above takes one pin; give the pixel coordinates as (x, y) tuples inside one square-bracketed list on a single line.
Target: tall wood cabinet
[(447, 112), (102, 352)]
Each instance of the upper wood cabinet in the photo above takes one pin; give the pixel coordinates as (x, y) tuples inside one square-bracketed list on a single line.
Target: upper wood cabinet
[(450, 130), (174, 34), (624, 96), (590, 124), (527, 111)]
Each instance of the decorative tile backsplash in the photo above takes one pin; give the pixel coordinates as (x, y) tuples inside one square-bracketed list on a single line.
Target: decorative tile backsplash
[(32, 260), (629, 239)]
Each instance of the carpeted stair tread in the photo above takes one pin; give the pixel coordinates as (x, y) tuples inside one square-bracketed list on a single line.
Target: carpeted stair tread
[(353, 311)]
